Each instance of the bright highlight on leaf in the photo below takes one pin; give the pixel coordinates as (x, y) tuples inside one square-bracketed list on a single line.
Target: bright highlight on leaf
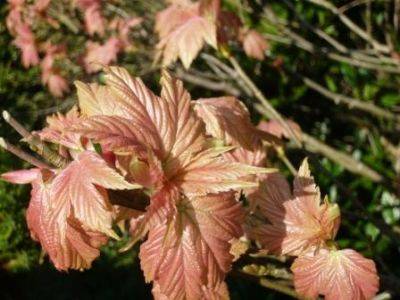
[(299, 222), (184, 28), (337, 274), (188, 256)]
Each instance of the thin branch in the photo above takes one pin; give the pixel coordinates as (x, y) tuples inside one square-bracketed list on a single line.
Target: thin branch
[(206, 83), (349, 101), (282, 156), (341, 158), (396, 15), (333, 42), (35, 143), (355, 3), (351, 25), (276, 285), (345, 160), (353, 57), (269, 109), (22, 154), (15, 124), (224, 71)]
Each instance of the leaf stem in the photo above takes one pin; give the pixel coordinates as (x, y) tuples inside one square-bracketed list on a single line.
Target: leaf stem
[(35, 143), (22, 154), (282, 286)]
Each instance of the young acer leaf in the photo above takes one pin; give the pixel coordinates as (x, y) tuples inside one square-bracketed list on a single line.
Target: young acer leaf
[(188, 255), (298, 221), (58, 132), (98, 55), (209, 173), (227, 119), (254, 44), (95, 99), (166, 126), (25, 41), (94, 22), (79, 190), (183, 30), (337, 274), (68, 243)]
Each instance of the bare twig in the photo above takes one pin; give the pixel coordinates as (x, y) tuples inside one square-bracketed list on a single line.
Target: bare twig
[(224, 71), (355, 3), (282, 156), (341, 158), (333, 42), (35, 143), (345, 160), (276, 285), (22, 154), (349, 101), (351, 57), (351, 25), (269, 109), (207, 83), (396, 15), (16, 125)]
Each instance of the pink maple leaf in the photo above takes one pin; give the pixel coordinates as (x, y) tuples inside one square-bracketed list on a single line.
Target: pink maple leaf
[(188, 255), (160, 142), (14, 17), (94, 21), (25, 41), (56, 131), (51, 76), (69, 244), (184, 29), (336, 274), (41, 5), (298, 222), (254, 44), (227, 119), (69, 212), (167, 126), (98, 55), (85, 197)]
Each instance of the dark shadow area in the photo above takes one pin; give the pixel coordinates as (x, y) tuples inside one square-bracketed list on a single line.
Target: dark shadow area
[(103, 281)]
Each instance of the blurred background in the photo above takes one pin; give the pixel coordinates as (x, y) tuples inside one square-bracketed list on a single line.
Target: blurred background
[(333, 67)]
